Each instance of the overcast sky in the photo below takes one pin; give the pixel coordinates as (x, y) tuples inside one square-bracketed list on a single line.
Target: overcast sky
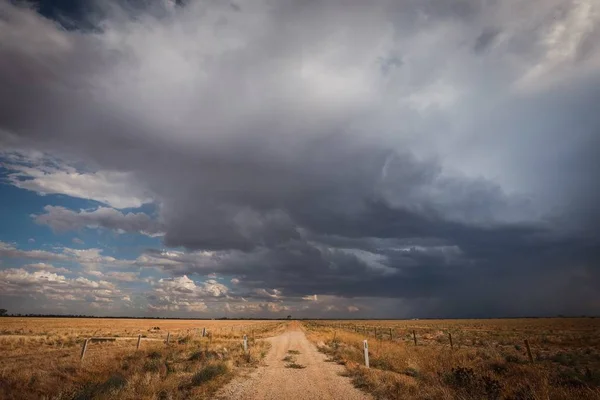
[(408, 158)]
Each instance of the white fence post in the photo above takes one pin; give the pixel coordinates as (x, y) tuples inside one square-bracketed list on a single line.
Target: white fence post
[(245, 344), (366, 346), (84, 349)]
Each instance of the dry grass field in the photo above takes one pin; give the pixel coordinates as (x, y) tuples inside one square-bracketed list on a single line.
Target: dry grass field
[(40, 357), (488, 358)]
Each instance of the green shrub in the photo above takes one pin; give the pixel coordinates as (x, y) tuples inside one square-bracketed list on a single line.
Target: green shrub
[(109, 387), (295, 366), (184, 340), (197, 356), (152, 366), (209, 372)]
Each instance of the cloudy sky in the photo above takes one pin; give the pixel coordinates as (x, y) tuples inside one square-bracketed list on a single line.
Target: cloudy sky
[(407, 158)]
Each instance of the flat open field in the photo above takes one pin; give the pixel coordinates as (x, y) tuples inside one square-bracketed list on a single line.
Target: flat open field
[(487, 359), (86, 327), (40, 357)]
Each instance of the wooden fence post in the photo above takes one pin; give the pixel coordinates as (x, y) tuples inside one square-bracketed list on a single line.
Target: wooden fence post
[(366, 347), (84, 349), (415, 337), (528, 350), (139, 341), (375, 332), (168, 337), (450, 337), (391, 337)]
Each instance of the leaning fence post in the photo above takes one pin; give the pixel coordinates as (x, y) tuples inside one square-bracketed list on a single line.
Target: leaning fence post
[(138, 343), (415, 337), (84, 349), (528, 350), (450, 337), (245, 344), (366, 347)]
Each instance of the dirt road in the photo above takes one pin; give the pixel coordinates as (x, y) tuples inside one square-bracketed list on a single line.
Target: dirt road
[(318, 380)]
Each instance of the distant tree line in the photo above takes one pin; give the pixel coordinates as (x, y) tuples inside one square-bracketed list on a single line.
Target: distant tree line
[(4, 313)]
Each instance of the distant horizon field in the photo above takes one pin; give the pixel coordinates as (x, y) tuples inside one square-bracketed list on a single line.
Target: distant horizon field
[(583, 317), (410, 359)]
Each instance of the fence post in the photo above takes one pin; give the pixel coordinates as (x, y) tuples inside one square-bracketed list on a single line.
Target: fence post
[(203, 332), (245, 344), (415, 337), (528, 350), (138, 343), (450, 337), (366, 347), (375, 332), (391, 337), (84, 349), (168, 337)]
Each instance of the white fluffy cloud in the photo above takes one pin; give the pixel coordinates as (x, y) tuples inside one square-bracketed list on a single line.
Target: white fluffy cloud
[(10, 251), (62, 219), (46, 267), (182, 293), (185, 286), (44, 284), (122, 276), (91, 260), (116, 189)]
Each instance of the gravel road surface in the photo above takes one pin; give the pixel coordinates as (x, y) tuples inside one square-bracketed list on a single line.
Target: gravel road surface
[(318, 380)]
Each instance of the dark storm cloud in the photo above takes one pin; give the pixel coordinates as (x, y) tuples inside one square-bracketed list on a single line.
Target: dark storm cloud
[(485, 39), (409, 152)]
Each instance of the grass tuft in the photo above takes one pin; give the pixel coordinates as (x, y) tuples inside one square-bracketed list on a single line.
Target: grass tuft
[(209, 373), (295, 365)]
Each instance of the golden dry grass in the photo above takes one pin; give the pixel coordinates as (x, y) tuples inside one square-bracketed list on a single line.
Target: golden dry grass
[(40, 357), (86, 327), (489, 359)]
